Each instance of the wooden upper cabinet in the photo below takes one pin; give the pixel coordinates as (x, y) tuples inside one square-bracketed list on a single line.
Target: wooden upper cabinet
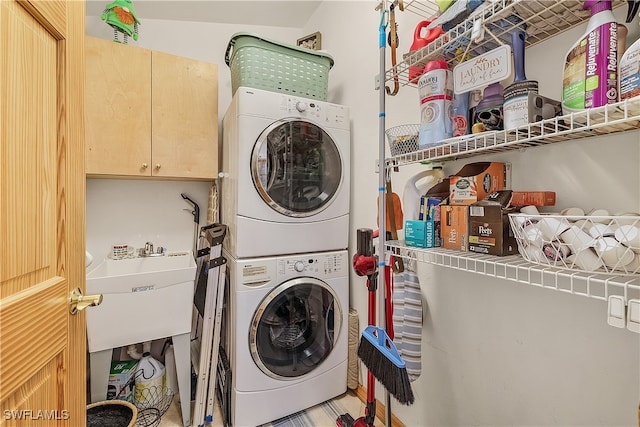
[(150, 113), (118, 108), (184, 117)]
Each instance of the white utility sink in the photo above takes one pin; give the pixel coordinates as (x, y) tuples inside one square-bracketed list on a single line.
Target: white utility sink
[(144, 299), (123, 275)]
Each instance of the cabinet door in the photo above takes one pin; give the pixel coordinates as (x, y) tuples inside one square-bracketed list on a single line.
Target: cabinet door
[(118, 108), (184, 117)]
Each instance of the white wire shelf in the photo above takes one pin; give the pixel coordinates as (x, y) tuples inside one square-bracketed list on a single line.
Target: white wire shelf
[(541, 19), (612, 118), (515, 268)]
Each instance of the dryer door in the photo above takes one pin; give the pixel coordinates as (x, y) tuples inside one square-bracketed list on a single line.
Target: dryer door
[(296, 167), (295, 328)]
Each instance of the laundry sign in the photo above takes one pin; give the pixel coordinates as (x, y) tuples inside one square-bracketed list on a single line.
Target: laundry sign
[(482, 70)]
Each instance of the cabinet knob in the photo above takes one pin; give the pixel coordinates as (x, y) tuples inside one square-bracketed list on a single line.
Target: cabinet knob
[(144, 166), (158, 165)]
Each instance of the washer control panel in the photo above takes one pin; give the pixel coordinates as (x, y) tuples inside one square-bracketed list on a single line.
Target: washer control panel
[(321, 265)]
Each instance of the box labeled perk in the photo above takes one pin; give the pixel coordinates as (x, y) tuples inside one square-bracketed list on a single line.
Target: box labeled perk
[(121, 380), (454, 227), (475, 181), (533, 198), (489, 228)]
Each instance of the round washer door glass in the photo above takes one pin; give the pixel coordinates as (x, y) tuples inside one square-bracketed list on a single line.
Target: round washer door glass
[(296, 167), (295, 328)]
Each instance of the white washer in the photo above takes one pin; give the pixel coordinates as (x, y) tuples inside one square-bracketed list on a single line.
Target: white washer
[(285, 187), (287, 333)]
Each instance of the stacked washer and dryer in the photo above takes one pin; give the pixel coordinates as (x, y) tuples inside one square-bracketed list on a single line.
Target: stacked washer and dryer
[(285, 200)]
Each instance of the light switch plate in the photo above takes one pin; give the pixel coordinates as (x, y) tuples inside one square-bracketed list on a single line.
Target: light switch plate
[(616, 311), (633, 315)]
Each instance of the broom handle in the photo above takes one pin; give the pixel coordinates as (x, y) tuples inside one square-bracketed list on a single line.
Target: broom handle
[(381, 146), (382, 169)]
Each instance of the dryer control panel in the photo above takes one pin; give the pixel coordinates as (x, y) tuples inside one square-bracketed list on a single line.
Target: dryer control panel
[(322, 112), (320, 265)]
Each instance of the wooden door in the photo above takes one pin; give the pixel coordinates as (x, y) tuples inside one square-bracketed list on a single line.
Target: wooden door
[(42, 220), (118, 103), (184, 117)]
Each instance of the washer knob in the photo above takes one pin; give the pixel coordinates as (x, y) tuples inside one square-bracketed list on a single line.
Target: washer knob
[(299, 266), (301, 106)]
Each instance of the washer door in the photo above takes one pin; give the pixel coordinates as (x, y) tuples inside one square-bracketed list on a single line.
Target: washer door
[(295, 328), (296, 167)]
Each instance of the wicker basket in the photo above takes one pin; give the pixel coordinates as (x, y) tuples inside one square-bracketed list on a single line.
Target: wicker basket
[(603, 244), (261, 63), (403, 139), (112, 413)]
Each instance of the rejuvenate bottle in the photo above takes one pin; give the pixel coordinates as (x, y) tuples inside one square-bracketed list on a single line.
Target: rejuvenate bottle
[(591, 67)]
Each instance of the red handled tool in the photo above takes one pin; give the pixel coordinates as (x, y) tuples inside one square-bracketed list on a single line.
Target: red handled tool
[(365, 263)]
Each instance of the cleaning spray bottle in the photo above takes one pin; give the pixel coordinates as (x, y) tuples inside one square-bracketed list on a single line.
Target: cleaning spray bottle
[(630, 72), (416, 187), (591, 70)]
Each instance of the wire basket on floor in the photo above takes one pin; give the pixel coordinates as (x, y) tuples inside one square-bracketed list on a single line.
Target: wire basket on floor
[(152, 403), (149, 417), (403, 139)]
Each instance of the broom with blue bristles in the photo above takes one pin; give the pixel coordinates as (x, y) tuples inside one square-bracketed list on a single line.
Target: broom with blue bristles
[(376, 349)]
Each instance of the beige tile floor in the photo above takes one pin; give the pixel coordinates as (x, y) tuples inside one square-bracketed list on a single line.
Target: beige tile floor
[(349, 401)]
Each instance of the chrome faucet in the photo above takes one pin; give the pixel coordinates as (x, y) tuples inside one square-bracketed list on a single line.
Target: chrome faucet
[(148, 250)]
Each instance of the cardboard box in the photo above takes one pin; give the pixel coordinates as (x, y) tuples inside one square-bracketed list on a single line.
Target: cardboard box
[(418, 233), (121, 373), (475, 181), (533, 198), (489, 228), (454, 227), (430, 212)]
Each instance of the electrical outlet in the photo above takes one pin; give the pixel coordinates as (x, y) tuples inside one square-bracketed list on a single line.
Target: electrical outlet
[(377, 82), (616, 311), (633, 315)]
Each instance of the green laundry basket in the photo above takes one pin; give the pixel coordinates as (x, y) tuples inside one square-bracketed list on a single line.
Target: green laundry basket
[(261, 63)]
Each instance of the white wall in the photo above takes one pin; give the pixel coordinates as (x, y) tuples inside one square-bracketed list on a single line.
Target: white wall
[(135, 211), (496, 352)]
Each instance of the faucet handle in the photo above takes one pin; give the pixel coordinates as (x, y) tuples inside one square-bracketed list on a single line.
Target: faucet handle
[(148, 248)]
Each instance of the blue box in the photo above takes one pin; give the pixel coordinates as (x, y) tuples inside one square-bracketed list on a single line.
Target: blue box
[(430, 213), (418, 233)]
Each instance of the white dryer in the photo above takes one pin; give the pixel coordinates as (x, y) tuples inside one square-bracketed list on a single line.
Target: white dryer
[(287, 333), (286, 182)]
